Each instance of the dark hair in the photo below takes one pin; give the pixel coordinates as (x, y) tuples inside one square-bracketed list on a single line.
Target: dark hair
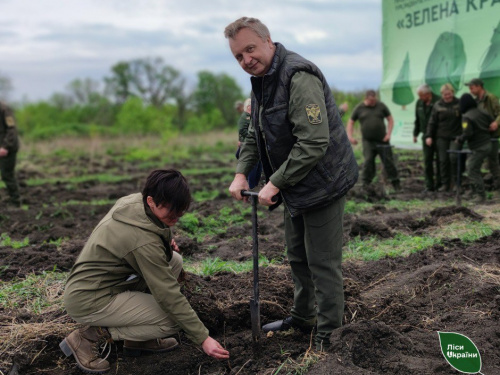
[(168, 187), (370, 93), (466, 102)]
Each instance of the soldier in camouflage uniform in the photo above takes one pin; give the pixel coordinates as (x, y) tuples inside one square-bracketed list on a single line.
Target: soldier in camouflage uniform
[(489, 103), (476, 131), (9, 145)]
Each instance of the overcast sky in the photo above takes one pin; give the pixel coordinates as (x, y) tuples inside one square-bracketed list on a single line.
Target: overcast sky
[(45, 44)]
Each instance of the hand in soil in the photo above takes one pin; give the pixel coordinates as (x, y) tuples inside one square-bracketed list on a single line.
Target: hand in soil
[(214, 349)]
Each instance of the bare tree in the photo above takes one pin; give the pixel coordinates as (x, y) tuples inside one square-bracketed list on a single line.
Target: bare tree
[(149, 79)]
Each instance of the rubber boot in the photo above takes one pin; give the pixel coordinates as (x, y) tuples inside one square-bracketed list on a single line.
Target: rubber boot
[(136, 348), (84, 344)]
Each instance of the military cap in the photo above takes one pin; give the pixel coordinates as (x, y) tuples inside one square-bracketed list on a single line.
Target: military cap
[(475, 82)]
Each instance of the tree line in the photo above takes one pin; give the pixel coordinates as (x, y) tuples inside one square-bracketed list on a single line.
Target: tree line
[(139, 96)]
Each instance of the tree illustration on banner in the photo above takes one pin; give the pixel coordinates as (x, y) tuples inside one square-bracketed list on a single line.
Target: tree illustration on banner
[(401, 91), (490, 65), (460, 352), (446, 63)]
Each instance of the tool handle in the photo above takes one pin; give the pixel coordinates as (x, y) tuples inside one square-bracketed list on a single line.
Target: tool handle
[(248, 193)]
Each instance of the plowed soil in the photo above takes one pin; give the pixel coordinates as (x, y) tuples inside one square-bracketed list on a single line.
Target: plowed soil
[(394, 306)]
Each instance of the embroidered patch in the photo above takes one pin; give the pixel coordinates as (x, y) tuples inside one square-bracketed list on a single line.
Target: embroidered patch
[(10, 121), (464, 125), (313, 114)]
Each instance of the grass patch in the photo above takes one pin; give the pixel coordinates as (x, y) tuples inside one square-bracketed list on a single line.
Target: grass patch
[(201, 228), (34, 293), (6, 241), (373, 248), (211, 266), (352, 207), (101, 178), (204, 195)]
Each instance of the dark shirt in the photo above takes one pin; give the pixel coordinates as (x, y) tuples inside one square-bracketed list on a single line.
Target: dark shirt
[(371, 120)]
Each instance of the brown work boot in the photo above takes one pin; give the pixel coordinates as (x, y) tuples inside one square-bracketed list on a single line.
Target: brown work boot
[(84, 344), (135, 348)]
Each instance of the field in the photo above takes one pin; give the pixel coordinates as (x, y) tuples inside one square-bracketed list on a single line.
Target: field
[(413, 265)]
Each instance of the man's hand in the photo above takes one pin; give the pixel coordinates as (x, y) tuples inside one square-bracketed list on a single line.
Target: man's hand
[(344, 107), (3, 152), (267, 193), (353, 141), (428, 141), (214, 349), (174, 246), (239, 183), (387, 138), (493, 126), (414, 139)]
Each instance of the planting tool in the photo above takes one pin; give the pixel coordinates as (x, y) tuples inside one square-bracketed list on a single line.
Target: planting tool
[(254, 302)]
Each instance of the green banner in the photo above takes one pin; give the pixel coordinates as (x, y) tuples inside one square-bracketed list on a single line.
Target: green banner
[(436, 42)]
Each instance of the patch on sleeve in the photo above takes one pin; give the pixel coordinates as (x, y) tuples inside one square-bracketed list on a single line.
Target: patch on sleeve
[(9, 120), (464, 125), (313, 114)]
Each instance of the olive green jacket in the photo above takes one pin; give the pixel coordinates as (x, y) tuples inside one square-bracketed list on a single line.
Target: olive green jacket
[(423, 114), (243, 123), (475, 124), (445, 121), (8, 130), (490, 104), (129, 242)]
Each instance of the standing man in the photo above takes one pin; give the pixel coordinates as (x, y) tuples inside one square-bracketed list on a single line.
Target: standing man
[(488, 102), (243, 124), (444, 126), (423, 110), (9, 145), (476, 131), (371, 114), (297, 133)]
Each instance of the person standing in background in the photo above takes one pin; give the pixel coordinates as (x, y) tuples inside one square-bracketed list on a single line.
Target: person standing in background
[(375, 137), (243, 123), (423, 110), (9, 145), (444, 126), (488, 102)]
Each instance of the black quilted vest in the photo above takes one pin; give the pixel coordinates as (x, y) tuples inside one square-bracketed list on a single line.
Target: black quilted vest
[(336, 172)]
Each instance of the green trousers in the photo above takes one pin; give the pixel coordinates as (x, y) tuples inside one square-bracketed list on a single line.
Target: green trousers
[(370, 151), (447, 161), (474, 162), (135, 315), (314, 247), (493, 163), (431, 155), (7, 167)]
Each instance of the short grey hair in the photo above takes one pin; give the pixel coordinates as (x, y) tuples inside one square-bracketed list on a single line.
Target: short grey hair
[(247, 102), (247, 22), (424, 89)]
